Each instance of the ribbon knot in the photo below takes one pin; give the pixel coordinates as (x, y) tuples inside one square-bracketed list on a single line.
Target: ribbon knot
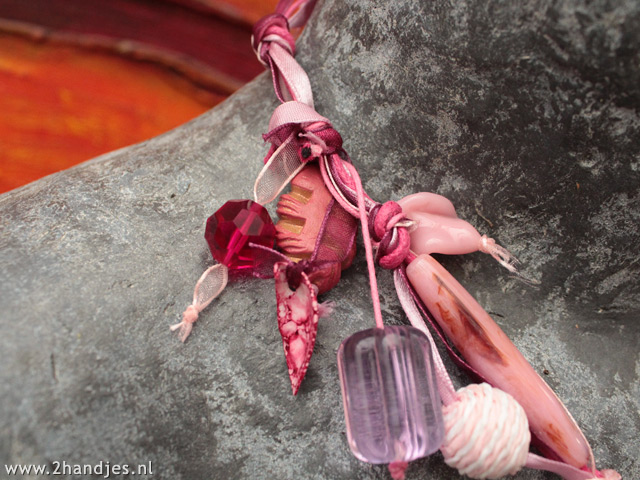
[(387, 226), (318, 139), (313, 139), (272, 28), (189, 316)]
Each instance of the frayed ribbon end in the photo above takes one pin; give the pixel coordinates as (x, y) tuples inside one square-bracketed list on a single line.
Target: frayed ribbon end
[(325, 309), (189, 316), (500, 254)]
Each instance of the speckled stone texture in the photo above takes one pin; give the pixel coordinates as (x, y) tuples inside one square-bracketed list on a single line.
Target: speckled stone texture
[(526, 117)]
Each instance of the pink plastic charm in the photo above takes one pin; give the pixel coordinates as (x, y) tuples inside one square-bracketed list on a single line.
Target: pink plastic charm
[(298, 314), (439, 230)]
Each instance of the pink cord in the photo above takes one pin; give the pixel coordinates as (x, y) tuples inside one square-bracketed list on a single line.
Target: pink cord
[(367, 245), (398, 470)]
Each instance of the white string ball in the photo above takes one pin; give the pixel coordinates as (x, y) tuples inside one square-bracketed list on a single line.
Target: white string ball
[(486, 433)]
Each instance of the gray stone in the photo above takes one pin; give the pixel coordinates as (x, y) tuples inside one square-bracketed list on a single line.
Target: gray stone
[(525, 116)]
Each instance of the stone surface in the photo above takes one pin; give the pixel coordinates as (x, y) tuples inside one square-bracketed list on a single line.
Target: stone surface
[(526, 117)]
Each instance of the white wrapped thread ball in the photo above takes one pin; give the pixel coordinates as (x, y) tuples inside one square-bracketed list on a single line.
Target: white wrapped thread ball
[(486, 433)]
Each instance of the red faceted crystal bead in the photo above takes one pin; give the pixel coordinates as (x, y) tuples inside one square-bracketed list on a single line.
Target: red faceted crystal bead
[(236, 224)]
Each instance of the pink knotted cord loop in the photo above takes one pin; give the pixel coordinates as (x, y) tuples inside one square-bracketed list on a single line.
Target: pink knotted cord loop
[(383, 215), (275, 48), (319, 138), (273, 28), (394, 240), (324, 136), (398, 470)]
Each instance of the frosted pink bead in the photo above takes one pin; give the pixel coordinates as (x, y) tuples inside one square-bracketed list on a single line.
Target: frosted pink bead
[(391, 400)]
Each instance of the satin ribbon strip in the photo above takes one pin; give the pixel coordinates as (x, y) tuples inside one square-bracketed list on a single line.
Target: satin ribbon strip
[(289, 74), (475, 376), (447, 391)]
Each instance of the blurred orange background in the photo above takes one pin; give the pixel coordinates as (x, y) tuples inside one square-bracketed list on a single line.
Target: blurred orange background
[(79, 78)]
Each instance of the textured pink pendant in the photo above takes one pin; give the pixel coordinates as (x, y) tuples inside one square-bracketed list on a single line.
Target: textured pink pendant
[(301, 213), (297, 322)]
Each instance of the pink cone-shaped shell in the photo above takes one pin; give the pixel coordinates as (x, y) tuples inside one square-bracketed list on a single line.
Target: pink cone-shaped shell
[(488, 349), (301, 213), (297, 322), (438, 230)]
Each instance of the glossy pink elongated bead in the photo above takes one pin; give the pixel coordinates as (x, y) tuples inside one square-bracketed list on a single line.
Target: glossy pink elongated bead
[(488, 349), (390, 395), (234, 225)]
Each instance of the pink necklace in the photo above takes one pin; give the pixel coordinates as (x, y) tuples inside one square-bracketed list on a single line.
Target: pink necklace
[(399, 402)]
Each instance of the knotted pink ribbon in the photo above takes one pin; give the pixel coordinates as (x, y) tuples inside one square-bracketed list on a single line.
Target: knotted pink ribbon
[(298, 134), (275, 47)]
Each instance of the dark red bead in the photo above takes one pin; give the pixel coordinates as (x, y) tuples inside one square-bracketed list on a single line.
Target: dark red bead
[(236, 224)]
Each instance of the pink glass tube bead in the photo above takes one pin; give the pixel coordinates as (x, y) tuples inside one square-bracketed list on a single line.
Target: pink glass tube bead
[(233, 227), (390, 395)]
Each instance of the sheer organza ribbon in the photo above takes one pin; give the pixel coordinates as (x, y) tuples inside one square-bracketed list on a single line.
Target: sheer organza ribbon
[(291, 124), (208, 287)]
